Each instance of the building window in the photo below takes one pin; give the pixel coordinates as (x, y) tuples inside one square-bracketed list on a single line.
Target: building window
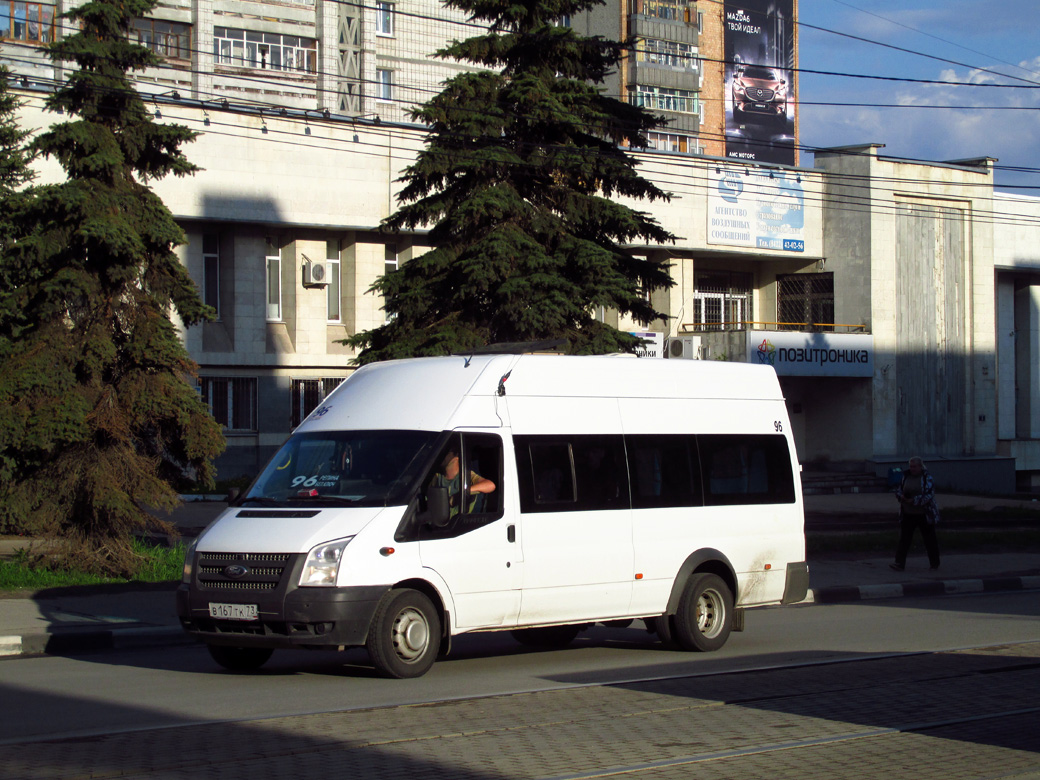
[(722, 301), (384, 18), (167, 39), (211, 271), (672, 142), (391, 262), (384, 84), (333, 290), (683, 101), (805, 301), (307, 394), (670, 53), (274, 288), (232, 401), (27, 22), (268, 51)]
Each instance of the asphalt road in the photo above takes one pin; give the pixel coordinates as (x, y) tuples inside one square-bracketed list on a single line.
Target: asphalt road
[(890, 684)]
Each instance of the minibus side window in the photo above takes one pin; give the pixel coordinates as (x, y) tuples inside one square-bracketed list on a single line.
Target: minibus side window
[(571, 473), (463, 462), (664, 471), (746, 469), (552, 472)]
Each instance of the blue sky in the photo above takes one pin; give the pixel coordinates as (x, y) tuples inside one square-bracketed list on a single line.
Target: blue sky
[(1002, 36)]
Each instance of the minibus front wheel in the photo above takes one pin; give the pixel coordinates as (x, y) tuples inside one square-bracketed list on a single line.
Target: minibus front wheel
[(405, 635), (705, 616)]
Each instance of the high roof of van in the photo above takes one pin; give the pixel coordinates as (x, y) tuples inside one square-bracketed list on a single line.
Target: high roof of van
[(430, 393)]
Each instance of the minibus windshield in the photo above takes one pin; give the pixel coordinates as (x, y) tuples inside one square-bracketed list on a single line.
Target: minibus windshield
[(353, 468)]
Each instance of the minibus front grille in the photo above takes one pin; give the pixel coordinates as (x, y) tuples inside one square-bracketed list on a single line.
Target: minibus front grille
[(218, 585), (241, 571), (252, 557)]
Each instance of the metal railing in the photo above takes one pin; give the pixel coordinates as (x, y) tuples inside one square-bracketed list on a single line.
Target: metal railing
[(738, 325)]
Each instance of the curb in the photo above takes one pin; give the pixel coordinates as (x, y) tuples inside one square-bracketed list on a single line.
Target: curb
[(74, 641), (844, 594)]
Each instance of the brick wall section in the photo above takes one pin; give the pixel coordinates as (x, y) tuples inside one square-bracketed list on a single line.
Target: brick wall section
[(713, 102)]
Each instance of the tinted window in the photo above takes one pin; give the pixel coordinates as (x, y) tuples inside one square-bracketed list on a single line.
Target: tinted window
[(571, 473), (664, 471), (753, 469), (753, 72)]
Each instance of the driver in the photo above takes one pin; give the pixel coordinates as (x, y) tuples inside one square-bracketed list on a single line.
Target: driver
[(450, 478)]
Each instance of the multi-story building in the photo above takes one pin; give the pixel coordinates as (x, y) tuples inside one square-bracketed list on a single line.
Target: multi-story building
[(376, 59)]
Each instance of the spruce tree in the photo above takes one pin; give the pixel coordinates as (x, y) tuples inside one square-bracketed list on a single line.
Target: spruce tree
[(98, 420), (518, 183), (15, 158)]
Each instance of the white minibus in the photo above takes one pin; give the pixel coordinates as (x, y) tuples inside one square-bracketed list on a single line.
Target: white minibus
[(537, 494)]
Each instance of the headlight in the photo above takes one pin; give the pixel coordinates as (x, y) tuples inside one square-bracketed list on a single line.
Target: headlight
[(189, 560), (322, 565)]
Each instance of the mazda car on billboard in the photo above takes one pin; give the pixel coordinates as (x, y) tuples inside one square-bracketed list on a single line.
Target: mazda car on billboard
[(759, 93)]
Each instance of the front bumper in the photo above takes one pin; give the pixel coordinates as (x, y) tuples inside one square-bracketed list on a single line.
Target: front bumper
[(287, 615)]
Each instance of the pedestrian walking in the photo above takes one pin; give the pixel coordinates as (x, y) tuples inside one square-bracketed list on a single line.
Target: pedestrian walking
[(917, 510)]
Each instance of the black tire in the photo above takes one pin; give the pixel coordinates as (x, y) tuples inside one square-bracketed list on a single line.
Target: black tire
[(240, 659), (662, 625), (548, 637), (705, 616), (405, 635)]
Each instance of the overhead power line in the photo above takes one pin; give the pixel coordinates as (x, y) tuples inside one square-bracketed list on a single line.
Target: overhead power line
[(688, 175), (936, 37), (304, 115)]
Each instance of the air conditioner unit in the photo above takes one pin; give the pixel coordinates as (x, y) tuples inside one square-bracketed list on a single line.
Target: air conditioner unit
[(315, 273), (683, 347)]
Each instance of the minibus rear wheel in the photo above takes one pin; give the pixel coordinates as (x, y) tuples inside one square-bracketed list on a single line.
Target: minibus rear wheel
[(405, 635), (705, 616), (240, 659)]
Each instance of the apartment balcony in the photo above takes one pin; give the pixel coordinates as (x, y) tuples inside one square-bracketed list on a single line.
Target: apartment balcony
[(672, 12)]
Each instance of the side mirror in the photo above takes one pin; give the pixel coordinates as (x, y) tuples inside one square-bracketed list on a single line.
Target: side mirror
[(437, 510), (232, 495)]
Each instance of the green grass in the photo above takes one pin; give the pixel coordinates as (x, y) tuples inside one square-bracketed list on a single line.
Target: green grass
[(163, 564)]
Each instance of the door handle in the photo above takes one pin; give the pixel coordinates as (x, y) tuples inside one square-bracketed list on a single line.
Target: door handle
[(511, 533)]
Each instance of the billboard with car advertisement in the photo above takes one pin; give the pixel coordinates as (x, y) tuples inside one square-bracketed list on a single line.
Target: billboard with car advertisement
[(760, 87)]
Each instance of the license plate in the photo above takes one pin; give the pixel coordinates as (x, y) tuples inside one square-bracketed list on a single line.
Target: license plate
[(233, 611)]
